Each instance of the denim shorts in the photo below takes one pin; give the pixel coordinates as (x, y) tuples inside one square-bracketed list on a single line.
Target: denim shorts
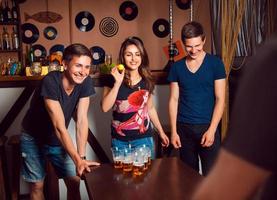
[(148, 141), (33, 160)]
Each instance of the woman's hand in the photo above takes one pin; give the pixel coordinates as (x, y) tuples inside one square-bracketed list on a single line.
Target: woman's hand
[(118, 76), (165, 139)]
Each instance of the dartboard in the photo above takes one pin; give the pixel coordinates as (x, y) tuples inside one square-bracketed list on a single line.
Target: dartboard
[(108, 26)]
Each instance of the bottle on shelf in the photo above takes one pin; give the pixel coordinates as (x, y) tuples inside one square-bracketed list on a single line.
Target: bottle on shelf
[(1, 12), (15, 40), (8, 12), (6, 39), (29, 58), (14, 11)]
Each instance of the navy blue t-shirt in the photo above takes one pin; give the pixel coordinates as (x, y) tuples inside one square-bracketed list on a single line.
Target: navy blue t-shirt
[(196, 90), (37, 121)]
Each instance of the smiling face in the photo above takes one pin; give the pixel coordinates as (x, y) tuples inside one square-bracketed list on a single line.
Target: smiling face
[(194, 46), (132, 57), (77, 69)]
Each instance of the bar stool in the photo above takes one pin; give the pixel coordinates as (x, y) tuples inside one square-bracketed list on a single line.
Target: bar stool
[(51, 183), (4, 180)]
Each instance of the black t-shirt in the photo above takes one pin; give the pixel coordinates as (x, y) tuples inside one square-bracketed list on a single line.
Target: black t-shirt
[(37, 121), (252, 133), (130, 113)]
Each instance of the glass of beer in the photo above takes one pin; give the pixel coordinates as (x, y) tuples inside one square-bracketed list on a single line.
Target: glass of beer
[(118, 156), (147, 157), (138, 164), (128, 159)]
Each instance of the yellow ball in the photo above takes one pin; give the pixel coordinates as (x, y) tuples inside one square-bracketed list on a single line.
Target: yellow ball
[(120, 67)]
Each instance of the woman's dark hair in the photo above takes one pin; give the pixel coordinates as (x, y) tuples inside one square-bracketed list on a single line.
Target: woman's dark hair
[(191, 30), (143, 69), (76, 50)]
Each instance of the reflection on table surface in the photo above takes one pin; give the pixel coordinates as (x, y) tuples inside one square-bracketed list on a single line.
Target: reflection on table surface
[(167, 178)]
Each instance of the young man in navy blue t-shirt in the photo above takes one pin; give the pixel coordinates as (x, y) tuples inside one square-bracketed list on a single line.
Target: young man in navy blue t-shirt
[(59, 96), (196, 104)]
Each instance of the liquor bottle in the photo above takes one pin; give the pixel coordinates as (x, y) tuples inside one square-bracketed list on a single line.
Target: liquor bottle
[(5, 38), (29, 55), (8, 12), (14, 11), (1, 12), (15, 40)]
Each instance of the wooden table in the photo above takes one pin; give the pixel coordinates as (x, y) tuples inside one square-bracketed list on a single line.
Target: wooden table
[(167, 178)]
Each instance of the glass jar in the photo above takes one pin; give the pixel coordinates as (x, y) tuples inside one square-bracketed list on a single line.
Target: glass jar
[(36, 69)]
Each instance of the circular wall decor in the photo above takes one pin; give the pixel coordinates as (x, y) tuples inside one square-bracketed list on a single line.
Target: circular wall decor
[(59, 48), (30, 33), (183, 4), (161, 28), (108, 26), (50, 32), (98, 55), (39, 51), (128, 10), (84, 21)]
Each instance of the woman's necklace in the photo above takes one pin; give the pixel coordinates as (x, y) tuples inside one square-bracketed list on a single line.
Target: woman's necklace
[(134, 81)]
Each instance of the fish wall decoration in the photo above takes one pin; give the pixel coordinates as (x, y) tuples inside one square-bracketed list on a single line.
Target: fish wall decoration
[(44, 17)]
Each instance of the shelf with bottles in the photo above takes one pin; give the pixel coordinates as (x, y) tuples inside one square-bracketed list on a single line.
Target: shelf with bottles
[(9, 16), (9, 39)]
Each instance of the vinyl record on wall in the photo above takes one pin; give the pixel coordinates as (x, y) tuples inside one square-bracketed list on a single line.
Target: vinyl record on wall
[(30, 33), (39, 51), (84, 21), (98, 55), (183, 4), (59, 48), (161, 28), (108, 26), (128, 10), (50, 32)]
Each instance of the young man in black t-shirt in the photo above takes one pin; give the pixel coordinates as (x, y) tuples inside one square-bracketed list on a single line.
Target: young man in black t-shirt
[(45, 134), (247, 165)]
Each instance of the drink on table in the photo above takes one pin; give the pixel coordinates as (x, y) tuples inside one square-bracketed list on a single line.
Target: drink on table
[(117, 157), (128, 159), (138, 165), (147, 157)]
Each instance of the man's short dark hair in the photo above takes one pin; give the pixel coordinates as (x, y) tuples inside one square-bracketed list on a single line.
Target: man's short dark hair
[(76, 50), (191, 30)]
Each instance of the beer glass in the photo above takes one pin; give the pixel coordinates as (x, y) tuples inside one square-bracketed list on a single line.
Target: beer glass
[(128, 159), (138, 163), (118, 156)]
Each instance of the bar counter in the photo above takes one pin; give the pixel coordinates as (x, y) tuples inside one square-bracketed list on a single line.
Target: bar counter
[(23, 81)]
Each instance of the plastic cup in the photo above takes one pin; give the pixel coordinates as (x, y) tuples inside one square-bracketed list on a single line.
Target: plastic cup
[(118, 156), (128, 159), (138, 164)]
